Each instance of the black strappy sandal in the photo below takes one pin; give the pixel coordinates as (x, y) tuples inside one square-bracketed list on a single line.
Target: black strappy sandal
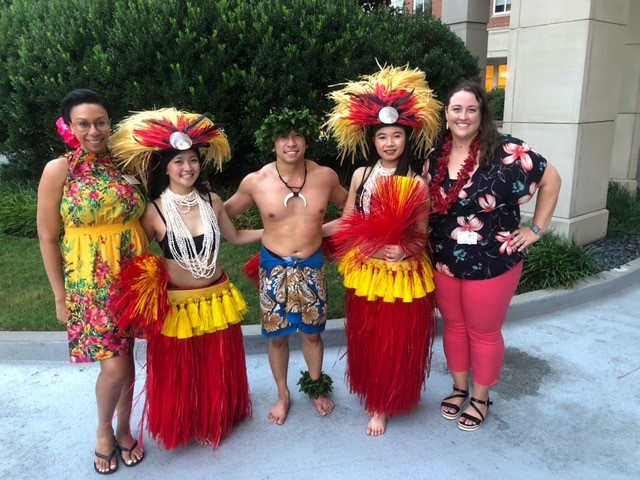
[(462, 394), (478, 420)]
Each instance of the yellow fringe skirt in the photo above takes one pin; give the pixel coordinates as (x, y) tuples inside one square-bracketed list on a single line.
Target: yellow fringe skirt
[(377, 279), (195, 312)]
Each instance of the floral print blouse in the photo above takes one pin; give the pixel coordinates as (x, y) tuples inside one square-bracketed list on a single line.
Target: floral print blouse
[(489, 205)]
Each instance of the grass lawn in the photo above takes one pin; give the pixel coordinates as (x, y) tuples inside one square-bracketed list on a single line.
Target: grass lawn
[(27, 300), (25, 296)]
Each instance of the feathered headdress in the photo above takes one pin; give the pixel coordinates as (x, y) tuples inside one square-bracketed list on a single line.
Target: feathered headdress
[(393, 96), (139, 136)]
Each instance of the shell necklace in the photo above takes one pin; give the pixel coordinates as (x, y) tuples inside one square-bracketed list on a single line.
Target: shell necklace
[(201, 264), (369, 185)]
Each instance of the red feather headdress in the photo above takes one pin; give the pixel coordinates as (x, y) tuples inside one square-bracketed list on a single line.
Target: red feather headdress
[(142, 134), (393, 96)]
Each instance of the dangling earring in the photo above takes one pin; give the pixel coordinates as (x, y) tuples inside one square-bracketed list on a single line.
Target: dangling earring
[(446, 125)]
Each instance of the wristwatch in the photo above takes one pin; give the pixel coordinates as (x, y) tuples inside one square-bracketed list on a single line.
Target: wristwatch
[(537, 230)]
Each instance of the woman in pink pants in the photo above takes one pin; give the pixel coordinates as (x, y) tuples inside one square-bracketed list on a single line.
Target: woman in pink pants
[(478, 179)]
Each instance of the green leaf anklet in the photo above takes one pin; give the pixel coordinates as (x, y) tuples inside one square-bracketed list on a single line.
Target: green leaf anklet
[(315, 388)]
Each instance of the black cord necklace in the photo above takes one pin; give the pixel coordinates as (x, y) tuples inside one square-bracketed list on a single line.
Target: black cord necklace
[(296, 192)]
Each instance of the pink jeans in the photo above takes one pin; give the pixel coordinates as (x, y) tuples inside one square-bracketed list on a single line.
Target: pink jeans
[(473, 312)]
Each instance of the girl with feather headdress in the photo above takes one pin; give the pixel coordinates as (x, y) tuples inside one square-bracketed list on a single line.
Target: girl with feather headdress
[(381, 239), (184, 303)]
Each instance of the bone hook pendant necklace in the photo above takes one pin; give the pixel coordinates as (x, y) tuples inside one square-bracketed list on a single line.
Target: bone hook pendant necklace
[(295, 191)]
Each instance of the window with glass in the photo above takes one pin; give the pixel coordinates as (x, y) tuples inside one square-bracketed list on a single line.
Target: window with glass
[(422, 7), (503, 73), (496, 77), (501, 6), (488, 78)]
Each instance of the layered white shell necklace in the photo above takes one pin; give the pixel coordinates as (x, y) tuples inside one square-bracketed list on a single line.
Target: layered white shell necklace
[(201, 264), (377, 171)]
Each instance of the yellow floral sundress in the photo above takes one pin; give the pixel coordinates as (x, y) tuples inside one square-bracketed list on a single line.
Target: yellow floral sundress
[(100, 213)]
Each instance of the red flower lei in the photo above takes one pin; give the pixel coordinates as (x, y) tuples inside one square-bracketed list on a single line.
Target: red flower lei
[(440, 204)]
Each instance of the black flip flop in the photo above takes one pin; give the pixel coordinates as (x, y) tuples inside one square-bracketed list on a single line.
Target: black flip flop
[(121, 449), (108, 459)]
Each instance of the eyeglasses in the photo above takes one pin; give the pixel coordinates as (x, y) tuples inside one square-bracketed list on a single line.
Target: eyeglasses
[(84, 126)]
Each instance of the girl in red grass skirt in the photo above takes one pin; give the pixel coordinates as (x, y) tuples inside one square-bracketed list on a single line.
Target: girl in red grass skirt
[(381, 240), (184, 303)]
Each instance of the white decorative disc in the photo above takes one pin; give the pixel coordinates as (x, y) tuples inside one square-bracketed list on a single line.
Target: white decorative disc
[(388, 115), (180, 141)]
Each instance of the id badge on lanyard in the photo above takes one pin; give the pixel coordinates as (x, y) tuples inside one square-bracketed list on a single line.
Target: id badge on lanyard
[(467, 238)]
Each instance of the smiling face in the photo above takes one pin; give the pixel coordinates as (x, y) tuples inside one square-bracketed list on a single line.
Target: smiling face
[(390, 143), (183, 171), (85, 120), (290, 149), (463, 115)]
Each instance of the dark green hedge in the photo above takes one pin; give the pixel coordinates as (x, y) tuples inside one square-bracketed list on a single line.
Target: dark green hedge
[(236, 59), (496, 100)]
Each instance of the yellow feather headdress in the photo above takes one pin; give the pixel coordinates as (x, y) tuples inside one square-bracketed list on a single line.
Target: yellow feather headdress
[(393, 96), (139, 136)]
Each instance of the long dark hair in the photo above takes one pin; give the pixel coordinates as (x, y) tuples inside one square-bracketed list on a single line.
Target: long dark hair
[(405, 159), (80, 96), (159, 180), (488, 133)]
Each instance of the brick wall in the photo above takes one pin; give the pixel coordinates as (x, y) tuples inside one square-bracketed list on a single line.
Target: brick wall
[(436, 8), (498, 21)]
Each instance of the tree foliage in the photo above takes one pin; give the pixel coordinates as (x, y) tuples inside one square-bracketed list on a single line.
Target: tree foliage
[(238, 60)]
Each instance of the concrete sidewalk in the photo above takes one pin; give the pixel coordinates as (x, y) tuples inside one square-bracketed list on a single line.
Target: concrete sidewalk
[(564, 408)]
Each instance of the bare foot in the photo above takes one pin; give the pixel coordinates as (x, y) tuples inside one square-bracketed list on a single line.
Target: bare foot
[(377, 425), (279, 410), (324, 405), (130, 450), (203, 441), (105, 446)]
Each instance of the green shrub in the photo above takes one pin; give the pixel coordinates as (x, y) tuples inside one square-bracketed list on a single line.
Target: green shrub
[(249, 220), (624, 211), (496, 102), (236, 59), (556, 262), (18, 203)]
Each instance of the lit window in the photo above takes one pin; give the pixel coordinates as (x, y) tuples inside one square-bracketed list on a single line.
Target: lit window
[(501, 6), (397, 3), (488, 78), (503, 73)]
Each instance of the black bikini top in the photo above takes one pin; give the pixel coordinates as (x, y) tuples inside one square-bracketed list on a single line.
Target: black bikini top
[(164, 243)]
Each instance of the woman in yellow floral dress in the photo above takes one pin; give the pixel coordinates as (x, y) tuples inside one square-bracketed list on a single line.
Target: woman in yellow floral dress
[(83, 195)]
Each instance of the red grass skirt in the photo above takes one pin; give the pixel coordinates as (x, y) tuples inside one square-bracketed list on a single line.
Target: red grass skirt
[(196, 387), (388, 351)]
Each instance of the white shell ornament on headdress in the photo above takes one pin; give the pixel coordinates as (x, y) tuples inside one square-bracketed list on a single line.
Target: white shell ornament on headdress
[(388, 115), (180, 141)]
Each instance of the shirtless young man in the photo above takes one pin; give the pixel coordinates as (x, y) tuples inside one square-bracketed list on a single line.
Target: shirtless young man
[(292, 195)]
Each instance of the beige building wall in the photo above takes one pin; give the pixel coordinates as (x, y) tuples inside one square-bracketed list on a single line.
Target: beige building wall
[(626, 144), (565, 63), (468, 19), (498, 43)]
